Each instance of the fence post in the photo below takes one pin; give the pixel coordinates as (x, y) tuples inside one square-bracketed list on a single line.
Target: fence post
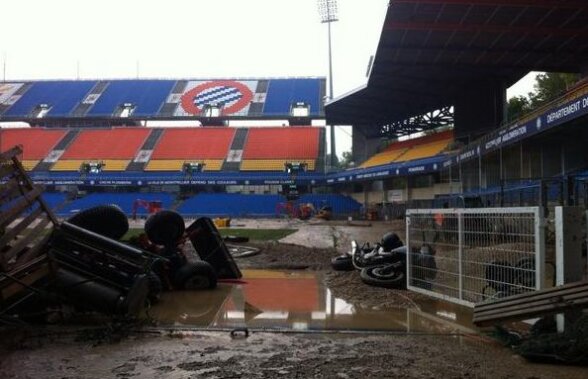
[(408, 250), (539, 248), (460, 244)]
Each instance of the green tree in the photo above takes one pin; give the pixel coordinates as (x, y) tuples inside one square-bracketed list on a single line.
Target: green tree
[(517, 106), (346, 160), (550, 85)]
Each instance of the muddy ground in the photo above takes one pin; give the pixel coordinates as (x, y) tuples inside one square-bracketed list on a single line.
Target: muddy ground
[(131, 351)]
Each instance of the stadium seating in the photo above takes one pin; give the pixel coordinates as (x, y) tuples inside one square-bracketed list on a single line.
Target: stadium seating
[(282, 92), (267, 149), (124, 200), (242, 205), (179, 145), (36, 143), (114, 147), (412, 149), (61, 96), (272, 164), (146, 95)]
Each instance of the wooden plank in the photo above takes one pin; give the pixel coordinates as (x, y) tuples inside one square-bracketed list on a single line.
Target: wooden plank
[(31, 185), (552, 300), (11, 233), (35, 250), (26, 240), (10, 189), (6, 169), (529, 306), (533, 295), (23, 203), (31, 278), (11, 153), (581, 302)]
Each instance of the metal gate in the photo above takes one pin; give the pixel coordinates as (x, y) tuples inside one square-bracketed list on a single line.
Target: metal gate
[(470, 255)]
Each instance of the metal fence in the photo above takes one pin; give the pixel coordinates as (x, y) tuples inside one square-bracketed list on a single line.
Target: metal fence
[(470, 255)]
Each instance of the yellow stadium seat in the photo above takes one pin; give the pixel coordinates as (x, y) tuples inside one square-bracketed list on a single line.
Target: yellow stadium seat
[(383, 158), (115, 164), (272, 164), (67, 165), (177, 164), (29, 165), (424, 151)]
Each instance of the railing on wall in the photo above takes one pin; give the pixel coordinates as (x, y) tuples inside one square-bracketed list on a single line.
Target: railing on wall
[(470, 255)]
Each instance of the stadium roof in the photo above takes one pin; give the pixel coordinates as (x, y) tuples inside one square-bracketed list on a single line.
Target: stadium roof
[(431, 51)]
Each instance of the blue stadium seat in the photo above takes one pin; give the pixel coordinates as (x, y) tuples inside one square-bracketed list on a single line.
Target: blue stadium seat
[(147, 95), (61, 96), (283, 92), (123, 200)]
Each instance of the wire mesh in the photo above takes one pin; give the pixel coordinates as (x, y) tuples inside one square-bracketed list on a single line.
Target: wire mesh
[(471, 255)]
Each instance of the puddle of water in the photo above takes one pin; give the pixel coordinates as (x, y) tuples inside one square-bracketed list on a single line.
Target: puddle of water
[(299, 300)]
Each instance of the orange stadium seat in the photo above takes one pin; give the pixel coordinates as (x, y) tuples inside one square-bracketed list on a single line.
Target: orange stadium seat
[(36, 143), (103, 144), (287, 143), (192, 144)]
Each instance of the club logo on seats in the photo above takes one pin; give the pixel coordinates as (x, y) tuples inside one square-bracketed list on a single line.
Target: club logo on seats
[(231, 95)]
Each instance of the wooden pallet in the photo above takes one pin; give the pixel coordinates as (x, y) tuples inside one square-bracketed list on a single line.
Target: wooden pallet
[(532, 304), (26, 224)]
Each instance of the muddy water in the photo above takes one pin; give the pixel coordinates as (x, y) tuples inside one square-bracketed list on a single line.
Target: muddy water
[(299, 301)]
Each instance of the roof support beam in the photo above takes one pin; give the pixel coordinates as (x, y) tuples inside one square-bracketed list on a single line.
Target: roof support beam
[(449, 27), (510, 3)]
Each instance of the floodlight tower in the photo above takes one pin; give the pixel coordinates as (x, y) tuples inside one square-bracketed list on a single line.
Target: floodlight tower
[(328, 12)]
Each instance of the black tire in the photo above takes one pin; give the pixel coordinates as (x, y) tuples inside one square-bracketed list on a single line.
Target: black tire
[(342, 263), (155, 287), (525, 272), (165, 227), (196, 275), (236, 239), (106, 220), (390, 276)]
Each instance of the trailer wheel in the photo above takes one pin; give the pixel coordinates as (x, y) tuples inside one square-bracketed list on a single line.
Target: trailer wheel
[(195, 276), (106, 220), (164, 227)]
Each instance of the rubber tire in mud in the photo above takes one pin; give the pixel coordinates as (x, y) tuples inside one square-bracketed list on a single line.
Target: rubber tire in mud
[(342, 263), (155, 287), (236, 239), (165, 227), (390, 276), (106, 220), (195, 276)]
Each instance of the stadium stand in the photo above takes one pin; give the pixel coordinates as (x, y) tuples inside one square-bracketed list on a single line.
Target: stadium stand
[(412, 149), (114, 147), (268, 149), (124, 200), (61, 96), (36, 143), (176, 146), (241, 205), (146, 96), (283, 92)]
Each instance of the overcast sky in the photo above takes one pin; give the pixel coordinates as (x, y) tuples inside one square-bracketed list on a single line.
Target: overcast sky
[(64, 39)]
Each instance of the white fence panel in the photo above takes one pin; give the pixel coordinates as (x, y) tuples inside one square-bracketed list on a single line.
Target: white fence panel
[(470, 255)]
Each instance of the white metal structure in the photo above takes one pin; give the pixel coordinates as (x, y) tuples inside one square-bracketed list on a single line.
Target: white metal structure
[(469, 255)]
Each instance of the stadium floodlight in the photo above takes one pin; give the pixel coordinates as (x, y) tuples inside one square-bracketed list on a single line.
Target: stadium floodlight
[(212, 110), (300, 109), (328, 11)]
